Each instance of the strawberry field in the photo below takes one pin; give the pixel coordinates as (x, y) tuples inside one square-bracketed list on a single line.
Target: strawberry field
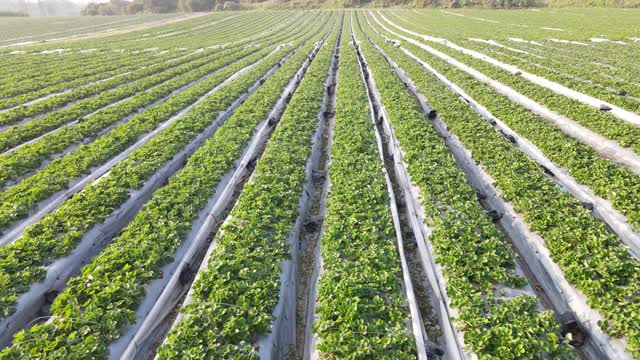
[(326, 184)]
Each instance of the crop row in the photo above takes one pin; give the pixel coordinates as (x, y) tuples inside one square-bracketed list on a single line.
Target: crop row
[(621, 57), (239, 288), (477, 260), (55, 113), (198, 33), (599, 120), (590, 256), (594, 144), (574, 76), (197, 36), (585, 85), (88, 59), (28, 90), (58, 232), (121, 87), (590, 166), (103, 64), (77, 77), (30, 156), (59, 173), (602, 122), (618, 184), (361, 308), (581, 61), (139, 39), (34, 70), (578, 62), (193, 34), (99, 302)]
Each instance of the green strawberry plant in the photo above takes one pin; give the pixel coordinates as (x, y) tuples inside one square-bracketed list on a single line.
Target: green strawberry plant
[(97, 304), (235, 295), (590, 255), (475, 257), (362, 312)]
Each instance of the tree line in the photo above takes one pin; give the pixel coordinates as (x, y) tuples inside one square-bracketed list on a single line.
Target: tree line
[(131, 7)]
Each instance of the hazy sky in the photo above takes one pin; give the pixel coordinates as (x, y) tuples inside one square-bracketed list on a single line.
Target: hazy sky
[(86, 1)]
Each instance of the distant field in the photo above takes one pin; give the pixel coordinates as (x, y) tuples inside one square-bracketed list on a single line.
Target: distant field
[(365, 184), (19, 29), (531, 24)]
